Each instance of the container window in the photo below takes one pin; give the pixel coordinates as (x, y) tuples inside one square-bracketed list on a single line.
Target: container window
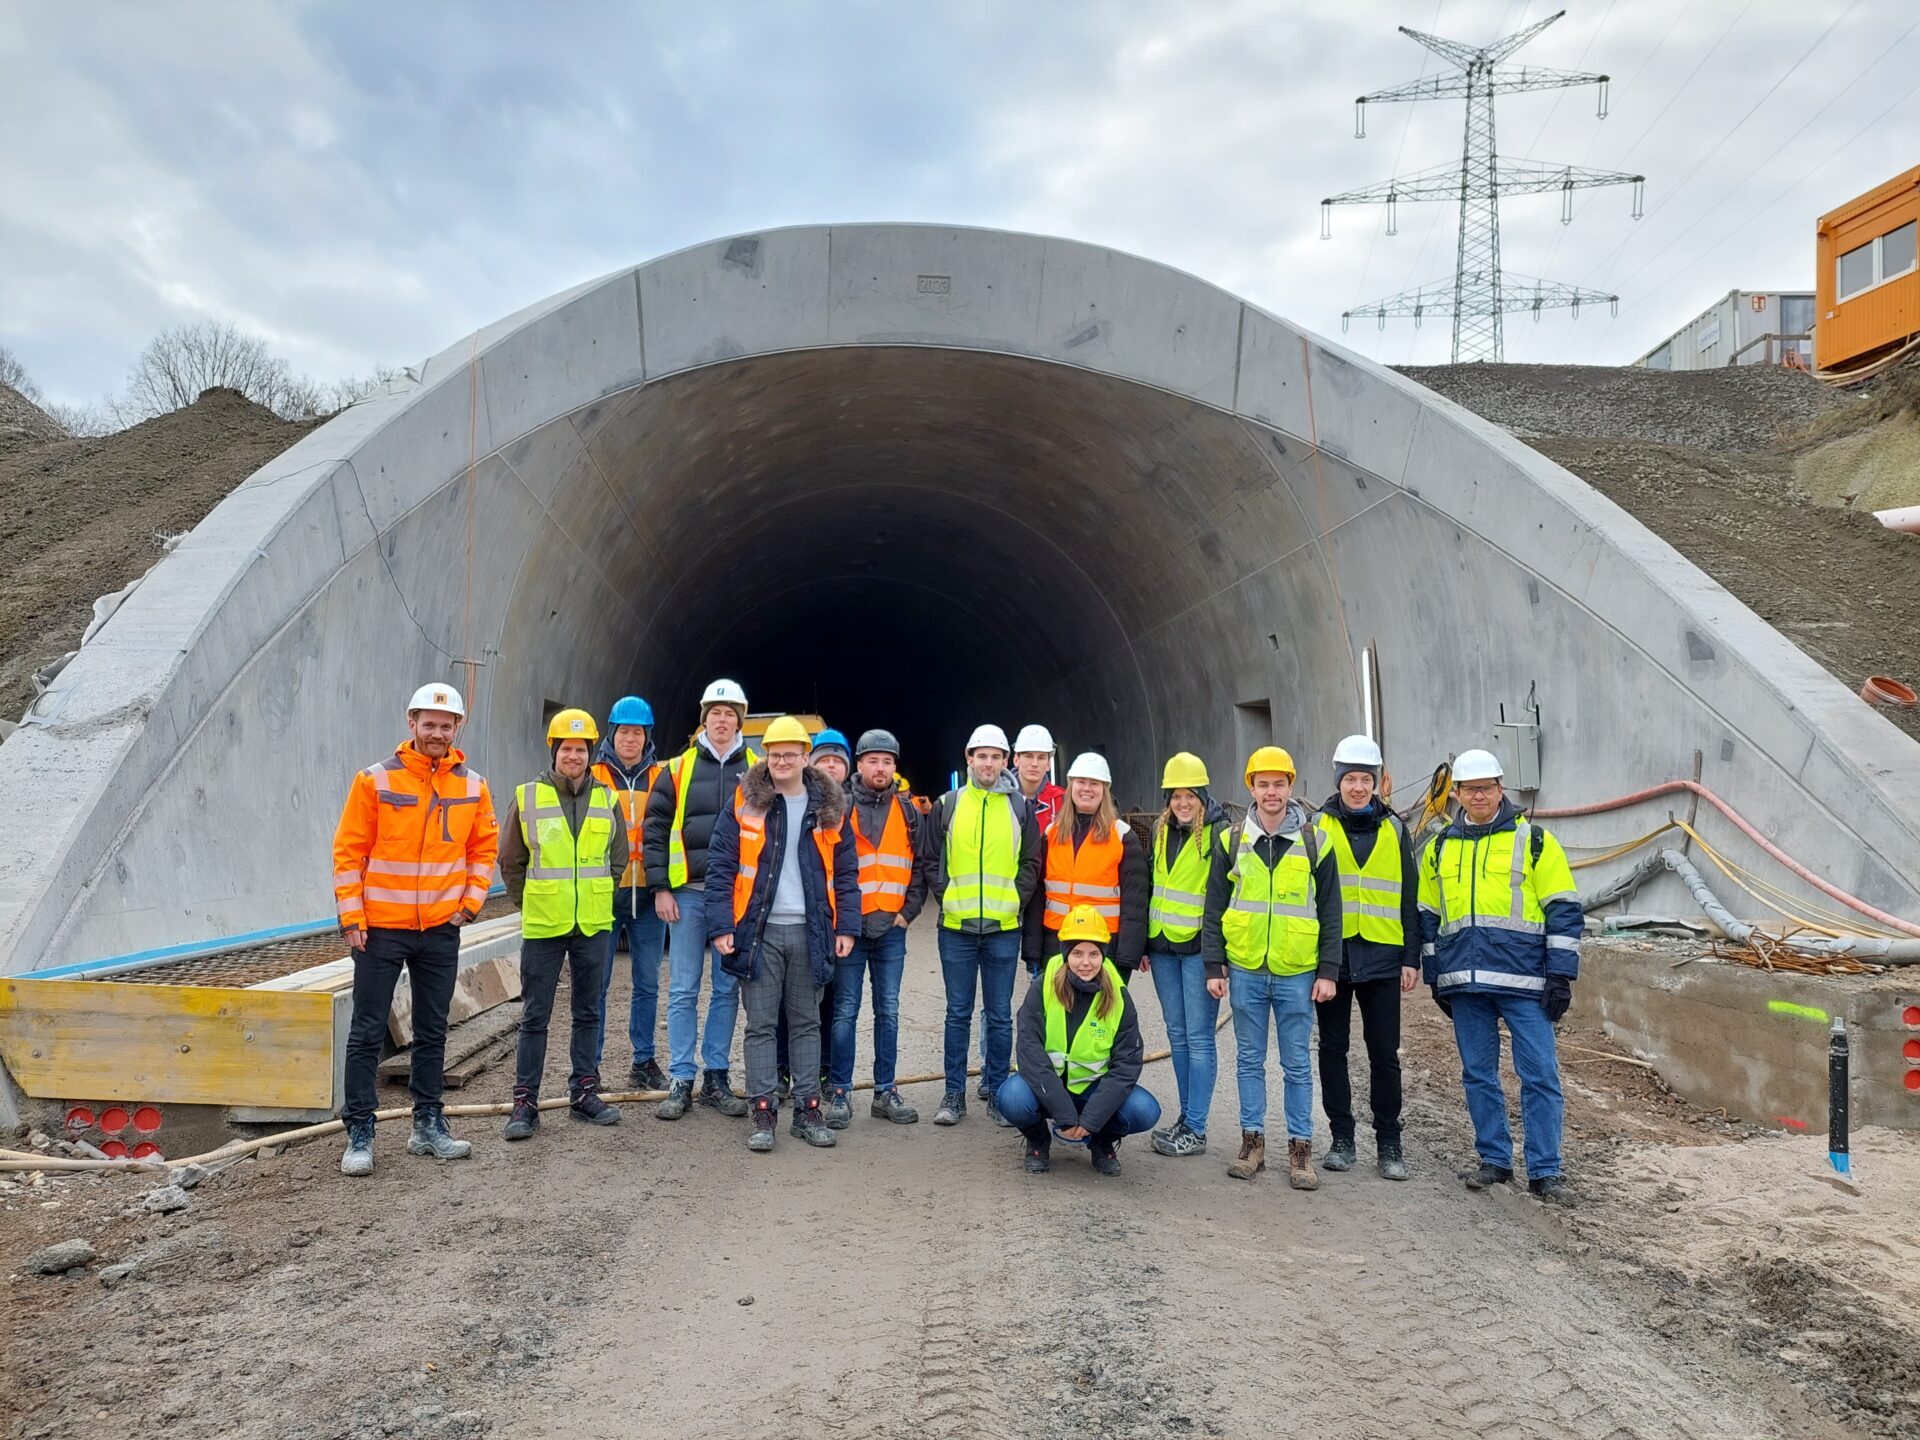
[(1856, 270), (1661, 359), (1897, 250)]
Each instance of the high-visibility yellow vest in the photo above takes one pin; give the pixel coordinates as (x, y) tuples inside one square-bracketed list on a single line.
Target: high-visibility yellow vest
[(568, 886), (1272, 922), (1369, 893), (681, 768), (982, 860), (1180, 888), (1082, 1063)]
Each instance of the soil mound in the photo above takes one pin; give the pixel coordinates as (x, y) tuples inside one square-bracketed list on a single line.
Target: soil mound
[(24, 424)]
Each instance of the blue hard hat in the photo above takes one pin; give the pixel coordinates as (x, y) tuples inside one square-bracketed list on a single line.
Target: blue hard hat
[(631, 710), (834, 738)]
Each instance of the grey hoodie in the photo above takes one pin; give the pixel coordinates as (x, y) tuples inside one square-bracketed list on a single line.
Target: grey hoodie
[(1269, 849)]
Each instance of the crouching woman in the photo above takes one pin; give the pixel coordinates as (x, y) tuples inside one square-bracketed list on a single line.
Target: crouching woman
[(1078, 1040)]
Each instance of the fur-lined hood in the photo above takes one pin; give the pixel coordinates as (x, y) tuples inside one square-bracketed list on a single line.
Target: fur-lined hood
[(829, 801)]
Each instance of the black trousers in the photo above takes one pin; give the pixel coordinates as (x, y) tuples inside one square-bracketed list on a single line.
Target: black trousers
[(431, 958), (587, 957), (1380, 1024)]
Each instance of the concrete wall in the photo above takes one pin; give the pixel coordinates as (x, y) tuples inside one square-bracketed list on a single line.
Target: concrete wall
[(1145, 501)]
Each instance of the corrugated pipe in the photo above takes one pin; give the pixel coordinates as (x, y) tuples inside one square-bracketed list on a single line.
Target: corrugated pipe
[(1860, 947)]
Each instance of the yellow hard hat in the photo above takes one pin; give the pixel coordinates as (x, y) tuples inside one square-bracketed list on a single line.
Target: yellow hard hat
[(900, 782), (1269, 758), (787, 731), (1083, 922), (1184, 772), (572, 725)]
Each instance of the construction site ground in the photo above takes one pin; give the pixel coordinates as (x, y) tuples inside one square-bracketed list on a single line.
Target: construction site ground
[(656, 1278)]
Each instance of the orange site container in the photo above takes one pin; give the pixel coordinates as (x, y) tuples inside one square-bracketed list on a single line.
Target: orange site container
[(1867, 285)]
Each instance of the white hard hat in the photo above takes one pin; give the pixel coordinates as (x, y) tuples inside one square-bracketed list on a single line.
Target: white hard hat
[(1476, 765), (724, 692), (1357, 750), (1090, 767), (987, 737), (438, 697), (1033, 738)]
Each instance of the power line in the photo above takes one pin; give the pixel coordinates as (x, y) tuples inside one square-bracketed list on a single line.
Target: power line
[(1380, 222)]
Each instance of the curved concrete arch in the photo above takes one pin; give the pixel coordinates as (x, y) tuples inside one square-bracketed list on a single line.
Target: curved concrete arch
[(1187, 512)]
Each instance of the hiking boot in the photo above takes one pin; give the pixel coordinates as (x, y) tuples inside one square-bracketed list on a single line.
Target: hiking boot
[(1106, 1158), (783, 1085), (525, 1118), (887, 1105), (1392, 1164), (586, 1104), (766, 1114), (993, 1113), (431, 1137), (1039, 1158), (1551, 1190), (679, 1097), (647, 1075), (1253, 1156), (810, 1125), (838, 1113), (1181, 1139), (953, 1108), (981, 1092), (1300, 1165), (717, 1090), (1488, 1176), (358, 1159), (1339, 1156)]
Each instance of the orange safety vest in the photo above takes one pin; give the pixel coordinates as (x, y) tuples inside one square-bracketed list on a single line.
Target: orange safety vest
[(886, 869), (416, 843), (753, 839), (1089, 875), (633, 805)]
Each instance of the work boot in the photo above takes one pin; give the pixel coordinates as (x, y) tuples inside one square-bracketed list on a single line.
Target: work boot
[(1392, 1164), (431, 1137), (783, 1085), (647, 1075), (993, 1113), (981, 1092), (1039, 1157), (679, 1097), (1106, 1157), (1488, 1176), (1253, 1156), (1339, 1156), (717, 1090), (887, 1105), (766, 1113), (525, 1118), (358, 1159), (1300, 1165), (810, 1125), (1551, 1190), (838, 1112), (585, 1103), (1182, 1139), (953, 1108)]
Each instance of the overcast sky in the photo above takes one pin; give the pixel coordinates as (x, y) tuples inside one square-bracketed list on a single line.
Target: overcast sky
[(365, 183)]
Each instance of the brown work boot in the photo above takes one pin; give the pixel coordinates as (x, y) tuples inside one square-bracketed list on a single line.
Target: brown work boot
[(1300, 1165), (1253, 1156)]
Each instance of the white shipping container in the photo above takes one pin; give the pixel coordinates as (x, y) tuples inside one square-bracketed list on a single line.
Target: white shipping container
[(1743, 327)]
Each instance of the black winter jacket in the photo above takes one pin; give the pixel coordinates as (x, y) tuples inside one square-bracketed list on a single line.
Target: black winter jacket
[(1136, 889), (1103, 1101), (1363, 960), (710, 786)]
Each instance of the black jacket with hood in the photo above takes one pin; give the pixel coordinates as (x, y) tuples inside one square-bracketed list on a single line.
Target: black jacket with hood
[(710, 786), (1103, 1099), (1362, 960)]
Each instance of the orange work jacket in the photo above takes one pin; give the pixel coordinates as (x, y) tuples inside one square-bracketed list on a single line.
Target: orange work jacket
[(416, 843), (886, 868)]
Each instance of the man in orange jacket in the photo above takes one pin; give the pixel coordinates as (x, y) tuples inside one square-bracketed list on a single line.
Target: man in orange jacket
[(412, 861)]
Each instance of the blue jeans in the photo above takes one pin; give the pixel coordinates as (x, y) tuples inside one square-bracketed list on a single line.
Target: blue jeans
[(1289, 998), (646, 938), (1138, 1113), (1476, 1028), (687, 948), (982, 965), (885, 956), (1190, 1013)]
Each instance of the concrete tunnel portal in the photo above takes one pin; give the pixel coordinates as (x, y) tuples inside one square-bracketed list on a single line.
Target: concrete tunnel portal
[(912, 476)]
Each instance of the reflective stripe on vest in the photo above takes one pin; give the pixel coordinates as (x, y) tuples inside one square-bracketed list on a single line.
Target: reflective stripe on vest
[(682, 768), (568, 886), (632, 805), (982, 861), (1083, 874), (1272, 922), (886, 869), (1370, 893), (1179, 890), (1496, 893), (753, 842), (1090, 1055)]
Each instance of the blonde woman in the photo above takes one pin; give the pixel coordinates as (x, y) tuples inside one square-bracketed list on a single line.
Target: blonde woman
[(1182, 851), (1095, 858)]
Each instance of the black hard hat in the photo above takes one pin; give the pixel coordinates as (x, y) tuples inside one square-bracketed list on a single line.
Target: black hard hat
[(877, 742)]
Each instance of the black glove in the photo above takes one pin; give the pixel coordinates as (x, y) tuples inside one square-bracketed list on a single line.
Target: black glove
[(1446, 1006), (1557, 996)]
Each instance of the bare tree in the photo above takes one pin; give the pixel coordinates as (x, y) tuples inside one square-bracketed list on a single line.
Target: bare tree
[(13, 374), (342, 393), (85, 421), (179, 364)]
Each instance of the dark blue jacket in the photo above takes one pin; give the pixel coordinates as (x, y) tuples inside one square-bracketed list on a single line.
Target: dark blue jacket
[(1491, 955), (826, 810)]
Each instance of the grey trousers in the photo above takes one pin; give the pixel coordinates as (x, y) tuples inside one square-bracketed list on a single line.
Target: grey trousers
[(785, 979)]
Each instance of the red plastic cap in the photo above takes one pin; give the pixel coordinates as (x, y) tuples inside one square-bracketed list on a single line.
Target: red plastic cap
[(147, 1119), (113, 1119)]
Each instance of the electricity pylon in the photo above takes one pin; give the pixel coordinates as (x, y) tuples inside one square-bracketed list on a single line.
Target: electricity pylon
[(1480, 293)]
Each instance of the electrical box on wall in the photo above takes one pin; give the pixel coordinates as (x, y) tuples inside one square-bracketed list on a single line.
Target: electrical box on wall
[(1517, 743)]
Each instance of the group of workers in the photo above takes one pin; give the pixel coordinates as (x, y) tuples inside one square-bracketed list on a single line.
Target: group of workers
[(789, 878)]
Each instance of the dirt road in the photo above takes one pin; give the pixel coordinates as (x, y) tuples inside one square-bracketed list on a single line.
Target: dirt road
[(657, 1279)]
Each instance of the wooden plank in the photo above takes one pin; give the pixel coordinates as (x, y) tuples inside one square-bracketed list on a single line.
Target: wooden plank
[(168, 1044), (480, 986), (472, 1048)]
